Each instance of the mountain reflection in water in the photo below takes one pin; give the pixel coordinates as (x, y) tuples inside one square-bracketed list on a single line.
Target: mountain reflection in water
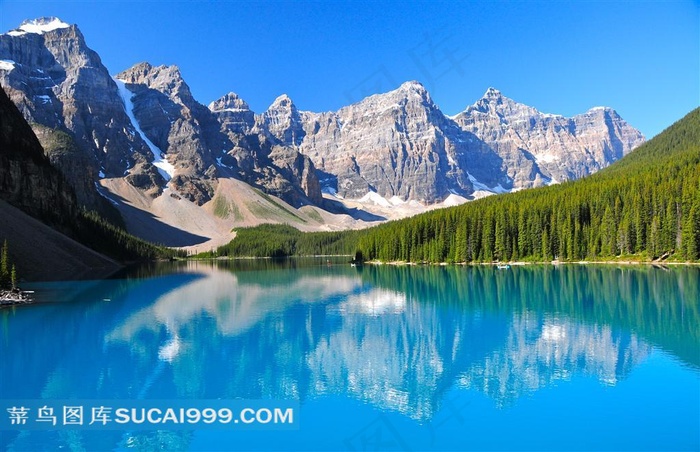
[(398, 339)]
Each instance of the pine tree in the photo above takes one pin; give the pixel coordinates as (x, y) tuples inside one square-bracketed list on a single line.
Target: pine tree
[(690, 235), (4, 266), (13, 277)]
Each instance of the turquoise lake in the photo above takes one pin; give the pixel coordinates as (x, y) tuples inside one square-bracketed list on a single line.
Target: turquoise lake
[(568, 357)]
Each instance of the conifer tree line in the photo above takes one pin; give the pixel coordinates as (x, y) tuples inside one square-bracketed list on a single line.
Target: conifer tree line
[(8, 271), (646, 205), (280, 240), (101, 235)]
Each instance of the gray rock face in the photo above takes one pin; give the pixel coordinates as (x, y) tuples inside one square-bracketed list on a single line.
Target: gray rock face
[(260, 155), (72, 161), (283, 121), (27, 179), (185, 132), (233, 113), (401, 144), (57, 81), (539, 148), (397, 144)]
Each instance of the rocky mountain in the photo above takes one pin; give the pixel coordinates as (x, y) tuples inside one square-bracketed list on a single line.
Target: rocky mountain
[(141, 133), (180, 132), (143, 125), (397, 144), (400, 145), (262, 153), (28, 181), (58, 82), (538, 148)]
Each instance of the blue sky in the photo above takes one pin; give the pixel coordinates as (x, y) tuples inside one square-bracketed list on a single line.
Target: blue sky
[(641, 58)]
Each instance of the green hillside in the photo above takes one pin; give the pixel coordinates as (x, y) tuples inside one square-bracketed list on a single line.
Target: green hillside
[(645, 207)]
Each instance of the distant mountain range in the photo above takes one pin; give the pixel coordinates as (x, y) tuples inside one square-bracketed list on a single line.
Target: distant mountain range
[(128, 140)]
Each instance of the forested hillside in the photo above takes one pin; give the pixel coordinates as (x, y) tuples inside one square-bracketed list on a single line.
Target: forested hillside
[(279, 240), (646, 206)]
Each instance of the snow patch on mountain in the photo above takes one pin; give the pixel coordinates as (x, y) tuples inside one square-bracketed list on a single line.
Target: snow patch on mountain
[(39, 26), (375, 198), (396, 201), (7, 65), (165, 168), (481, 186), (546, 158)]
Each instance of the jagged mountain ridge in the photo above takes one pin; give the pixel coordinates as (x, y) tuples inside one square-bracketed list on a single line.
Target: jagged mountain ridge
[(539, 148), (145, 127), (400, 144), (60, 83)]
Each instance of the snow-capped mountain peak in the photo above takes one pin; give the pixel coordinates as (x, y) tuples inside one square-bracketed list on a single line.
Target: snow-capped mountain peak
[(39, 26), (397, 144), (541, 148)]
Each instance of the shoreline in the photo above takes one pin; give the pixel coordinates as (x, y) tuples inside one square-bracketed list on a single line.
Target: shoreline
[(511, 263), (526, 263)]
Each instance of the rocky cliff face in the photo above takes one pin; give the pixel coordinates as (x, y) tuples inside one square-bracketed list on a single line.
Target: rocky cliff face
[(538, 148), (400, 144), (263, 151), (28, 181), (233, 113), (283, 121), (143, 125), (397, 144), (57, 81), (185, 133)]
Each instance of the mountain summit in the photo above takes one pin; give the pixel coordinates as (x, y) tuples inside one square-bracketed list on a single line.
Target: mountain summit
[(39, 26), (541, 148), (58, 82), (399, 144)]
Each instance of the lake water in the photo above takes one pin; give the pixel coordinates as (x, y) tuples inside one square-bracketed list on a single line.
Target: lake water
[(378, 358)]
